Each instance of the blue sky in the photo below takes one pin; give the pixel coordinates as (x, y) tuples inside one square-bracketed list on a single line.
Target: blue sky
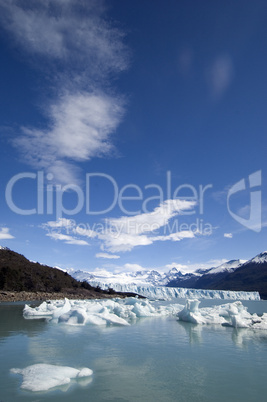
[(133, 134)]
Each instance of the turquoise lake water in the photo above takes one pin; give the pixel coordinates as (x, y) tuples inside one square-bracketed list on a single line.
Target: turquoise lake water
[(154, 359)]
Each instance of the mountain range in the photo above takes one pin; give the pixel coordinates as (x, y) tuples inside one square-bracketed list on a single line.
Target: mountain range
[(17, 273), (238, 275)]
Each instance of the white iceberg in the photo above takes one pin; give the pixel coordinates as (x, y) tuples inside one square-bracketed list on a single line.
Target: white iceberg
[(230, 314), (191, 313), (98, 312), (125, 311), (42, 377)]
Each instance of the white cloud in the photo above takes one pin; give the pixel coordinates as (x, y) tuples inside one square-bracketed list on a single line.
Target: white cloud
[(81, 126), (78, 47), (66, 30), (67, 239), (107, 256), (60, 223), (228, 235), (150, 221), (122, 242), (184, 234), (132, 267), (124, 233), (5, 235)]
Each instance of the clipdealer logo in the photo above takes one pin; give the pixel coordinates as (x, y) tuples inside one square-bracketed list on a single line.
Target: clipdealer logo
[(255, 207), (49, 196)]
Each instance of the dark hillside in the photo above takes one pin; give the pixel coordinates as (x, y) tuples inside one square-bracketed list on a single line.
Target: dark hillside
[(250, 277), (18, 274)]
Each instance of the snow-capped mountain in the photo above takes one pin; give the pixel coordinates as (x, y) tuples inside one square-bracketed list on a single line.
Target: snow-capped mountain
[(228, 266), (173, 277), (259, 259), (213, 278), (105, 279)]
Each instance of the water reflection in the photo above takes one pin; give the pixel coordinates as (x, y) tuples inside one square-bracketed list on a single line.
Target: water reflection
[(13, 323), (243, 336), (193, 331)]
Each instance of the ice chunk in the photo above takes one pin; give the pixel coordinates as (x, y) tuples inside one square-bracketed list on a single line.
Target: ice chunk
[(62, 310), (42, 377), (74, 317), (190, 313), (52, 309), (231, 314), (43, 310)]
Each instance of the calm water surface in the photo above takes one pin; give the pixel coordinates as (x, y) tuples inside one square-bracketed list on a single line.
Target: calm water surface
[(155, 359)]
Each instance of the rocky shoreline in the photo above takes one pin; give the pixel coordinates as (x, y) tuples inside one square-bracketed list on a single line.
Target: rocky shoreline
[(10, 296)]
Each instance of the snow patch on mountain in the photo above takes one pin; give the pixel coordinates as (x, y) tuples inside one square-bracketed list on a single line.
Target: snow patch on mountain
[(228, 266), (106, 279), (259, 259)]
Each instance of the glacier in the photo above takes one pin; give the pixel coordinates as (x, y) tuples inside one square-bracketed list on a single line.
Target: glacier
[(168, 293)]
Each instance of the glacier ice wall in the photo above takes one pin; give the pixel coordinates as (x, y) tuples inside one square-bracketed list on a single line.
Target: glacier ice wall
[(167, 293)]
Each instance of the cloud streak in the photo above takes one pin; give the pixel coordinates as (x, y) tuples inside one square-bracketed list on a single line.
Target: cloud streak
[(125, 233), (5, 235), (67, 239), (107, 256)]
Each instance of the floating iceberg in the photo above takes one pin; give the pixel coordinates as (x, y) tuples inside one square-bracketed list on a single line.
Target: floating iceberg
[(231, 314), (126, 311), (98, 312), (42, 377)]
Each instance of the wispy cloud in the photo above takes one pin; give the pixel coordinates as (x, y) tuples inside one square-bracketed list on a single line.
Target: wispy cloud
[(60, 223), (67, 239), (71, 31), (107, 256), (5, 235), (151, 221), (80, 128), (79, 49), (125, 233)]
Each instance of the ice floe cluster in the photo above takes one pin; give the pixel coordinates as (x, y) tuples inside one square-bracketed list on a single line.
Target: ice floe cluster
[(126, 311), (231, 314), (42, 377), (98, 312)]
